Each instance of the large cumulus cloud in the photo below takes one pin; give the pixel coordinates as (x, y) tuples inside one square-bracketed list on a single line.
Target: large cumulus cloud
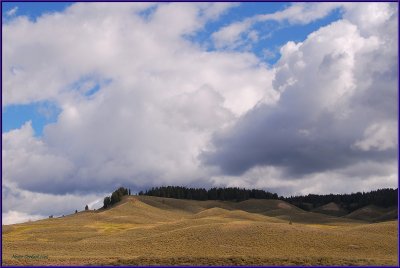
[(160, 95), (337, 108)]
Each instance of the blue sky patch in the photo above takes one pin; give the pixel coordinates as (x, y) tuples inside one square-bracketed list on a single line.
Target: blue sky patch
[(271, 34), (89, 85), (40, 113), (32, 10), (278, 34)]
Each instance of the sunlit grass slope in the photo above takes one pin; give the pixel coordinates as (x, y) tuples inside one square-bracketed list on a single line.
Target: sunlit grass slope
[(144, 230)]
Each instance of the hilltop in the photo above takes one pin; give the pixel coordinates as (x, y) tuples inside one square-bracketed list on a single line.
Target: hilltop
[(148, 230)]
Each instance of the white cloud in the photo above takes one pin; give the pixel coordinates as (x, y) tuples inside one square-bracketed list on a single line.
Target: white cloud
[(239, 33), (13, 217), (334, 99), (371, 18), (368, 17), (21, 205), (12, 12), (300, 13), (201, 109), (379, 136), (362, 176), (28, 161), (230, 36)]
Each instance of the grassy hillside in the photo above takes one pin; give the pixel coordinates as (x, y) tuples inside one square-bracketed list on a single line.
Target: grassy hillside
[(331, 209), (373, 213), (144, 230)]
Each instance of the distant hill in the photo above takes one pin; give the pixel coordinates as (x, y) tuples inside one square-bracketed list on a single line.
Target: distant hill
[(330, 204), (373, 213), (332, 209), (378, 205), (271, 208), (383, 198)]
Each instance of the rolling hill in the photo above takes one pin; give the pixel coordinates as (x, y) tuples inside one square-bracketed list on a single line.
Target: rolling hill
[(373, 213), (146, 230), (331, 209)]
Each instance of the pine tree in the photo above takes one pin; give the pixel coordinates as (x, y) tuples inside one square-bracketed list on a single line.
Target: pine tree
[(106, 202)]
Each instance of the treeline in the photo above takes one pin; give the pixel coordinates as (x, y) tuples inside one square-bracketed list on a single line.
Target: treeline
[(230, 193), (115, 197), (382, 198)]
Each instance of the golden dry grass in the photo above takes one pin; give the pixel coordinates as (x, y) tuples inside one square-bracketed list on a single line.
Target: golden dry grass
[(159, 231)]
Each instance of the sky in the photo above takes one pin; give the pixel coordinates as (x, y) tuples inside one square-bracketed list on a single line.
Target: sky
[(293, 98)]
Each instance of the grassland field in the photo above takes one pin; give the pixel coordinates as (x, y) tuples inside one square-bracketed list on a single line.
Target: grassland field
[(144, 230)]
